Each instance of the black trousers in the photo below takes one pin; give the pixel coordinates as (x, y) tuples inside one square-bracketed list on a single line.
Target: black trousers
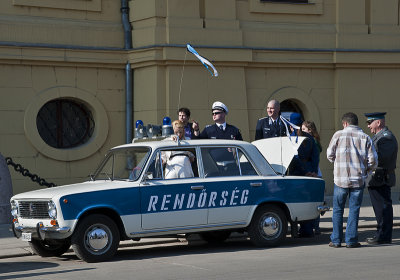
[(381, 201)]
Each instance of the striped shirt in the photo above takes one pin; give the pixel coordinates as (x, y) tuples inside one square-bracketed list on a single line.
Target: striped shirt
[(353, 155)]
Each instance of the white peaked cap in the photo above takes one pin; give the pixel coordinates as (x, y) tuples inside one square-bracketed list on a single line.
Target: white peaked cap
[(220, 106)]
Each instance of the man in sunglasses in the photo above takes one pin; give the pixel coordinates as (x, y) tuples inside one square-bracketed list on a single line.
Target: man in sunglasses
[(381, 181), (220, 129)]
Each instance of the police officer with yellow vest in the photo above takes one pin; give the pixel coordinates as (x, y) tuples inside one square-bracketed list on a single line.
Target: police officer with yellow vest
[(383, 178)]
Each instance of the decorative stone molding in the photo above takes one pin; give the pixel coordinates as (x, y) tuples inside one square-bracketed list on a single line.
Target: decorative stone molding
[(100, 132), (302, 99), (84, 5), (313, 7)]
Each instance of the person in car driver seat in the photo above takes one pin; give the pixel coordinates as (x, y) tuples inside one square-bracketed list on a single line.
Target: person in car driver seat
[(177, 163)]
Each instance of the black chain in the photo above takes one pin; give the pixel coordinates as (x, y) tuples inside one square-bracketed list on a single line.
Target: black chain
[(25, 172)]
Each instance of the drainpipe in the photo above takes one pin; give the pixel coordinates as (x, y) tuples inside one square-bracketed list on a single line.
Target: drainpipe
[(129, 102), (128, 71), (126, 24)]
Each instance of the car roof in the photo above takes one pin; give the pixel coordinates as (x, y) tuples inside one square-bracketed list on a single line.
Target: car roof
[(256, 155), (169, 143)]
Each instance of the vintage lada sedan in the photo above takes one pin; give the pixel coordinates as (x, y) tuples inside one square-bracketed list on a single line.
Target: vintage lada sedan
[(159, 188)]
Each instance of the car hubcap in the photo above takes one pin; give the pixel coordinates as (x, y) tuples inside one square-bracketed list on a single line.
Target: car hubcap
[(270, 226), (97, 238)]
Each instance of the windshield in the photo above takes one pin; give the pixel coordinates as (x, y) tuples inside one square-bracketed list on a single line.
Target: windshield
[(124, 164)]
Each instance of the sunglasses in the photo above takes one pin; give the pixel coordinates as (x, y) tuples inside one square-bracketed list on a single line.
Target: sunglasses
[(216, 113), (370, 121)]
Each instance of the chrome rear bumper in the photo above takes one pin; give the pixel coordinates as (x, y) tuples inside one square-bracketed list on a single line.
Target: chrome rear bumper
[(322, 209)]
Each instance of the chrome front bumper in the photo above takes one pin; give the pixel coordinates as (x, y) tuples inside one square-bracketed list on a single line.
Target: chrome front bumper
[(40, 231)]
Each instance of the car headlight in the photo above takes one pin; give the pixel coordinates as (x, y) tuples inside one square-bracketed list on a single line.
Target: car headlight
[(52, 210), (14, 209)]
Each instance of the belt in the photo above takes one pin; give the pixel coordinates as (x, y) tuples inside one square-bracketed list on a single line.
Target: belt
[(175, 155)]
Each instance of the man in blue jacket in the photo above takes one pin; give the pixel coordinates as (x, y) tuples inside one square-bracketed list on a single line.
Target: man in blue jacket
[(272, 125)]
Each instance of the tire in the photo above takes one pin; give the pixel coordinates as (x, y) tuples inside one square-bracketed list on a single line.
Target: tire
[(50, 248), (215, 237), (95, 239), (268, 227)]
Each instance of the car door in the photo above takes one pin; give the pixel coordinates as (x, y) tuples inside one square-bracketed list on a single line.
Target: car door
[(173, 203), (231, 183)]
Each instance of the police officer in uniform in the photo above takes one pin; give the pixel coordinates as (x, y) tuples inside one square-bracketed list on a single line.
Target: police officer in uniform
[(220, 130), (383, 178), (271, 126)]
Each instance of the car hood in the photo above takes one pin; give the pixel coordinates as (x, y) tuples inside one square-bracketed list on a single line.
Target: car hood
[(51, 193), (279, 151)]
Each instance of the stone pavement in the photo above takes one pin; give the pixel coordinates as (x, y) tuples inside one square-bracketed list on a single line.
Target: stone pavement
[(13, 247)]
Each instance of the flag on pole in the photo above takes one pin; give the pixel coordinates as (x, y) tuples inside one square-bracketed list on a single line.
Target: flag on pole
[(203, 60)]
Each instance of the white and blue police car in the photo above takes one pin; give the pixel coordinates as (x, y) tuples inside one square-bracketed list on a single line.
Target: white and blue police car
[(231, 186)]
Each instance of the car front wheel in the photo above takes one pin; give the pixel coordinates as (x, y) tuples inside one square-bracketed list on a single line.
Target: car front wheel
[(96, 238), (50, 248), (268, 226)]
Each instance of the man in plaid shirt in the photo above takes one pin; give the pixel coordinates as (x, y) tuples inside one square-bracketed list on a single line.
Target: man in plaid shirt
[(354, 157)]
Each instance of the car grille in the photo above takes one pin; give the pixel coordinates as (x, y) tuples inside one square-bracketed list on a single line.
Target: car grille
[(33, 209)]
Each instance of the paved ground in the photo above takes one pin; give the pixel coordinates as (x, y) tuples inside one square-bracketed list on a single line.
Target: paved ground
[(13, 247)]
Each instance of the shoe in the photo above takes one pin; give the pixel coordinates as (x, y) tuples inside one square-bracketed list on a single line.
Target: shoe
[(333, 245), (303, 234), (375, 241), (355, 245)]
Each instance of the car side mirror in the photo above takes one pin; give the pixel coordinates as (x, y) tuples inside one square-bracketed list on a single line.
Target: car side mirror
[(147, 176)]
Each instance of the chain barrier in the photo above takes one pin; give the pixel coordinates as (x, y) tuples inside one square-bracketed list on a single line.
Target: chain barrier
[(25, 172)]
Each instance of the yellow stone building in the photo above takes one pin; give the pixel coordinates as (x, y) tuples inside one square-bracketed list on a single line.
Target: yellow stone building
[(76, 74)]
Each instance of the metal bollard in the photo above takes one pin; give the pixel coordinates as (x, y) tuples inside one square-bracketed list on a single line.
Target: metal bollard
[(5, 192)]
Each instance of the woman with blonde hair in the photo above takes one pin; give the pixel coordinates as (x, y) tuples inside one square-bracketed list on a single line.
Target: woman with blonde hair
[(178, 162)]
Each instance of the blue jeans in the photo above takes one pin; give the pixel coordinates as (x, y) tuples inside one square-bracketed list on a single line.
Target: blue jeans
[(339, 201)]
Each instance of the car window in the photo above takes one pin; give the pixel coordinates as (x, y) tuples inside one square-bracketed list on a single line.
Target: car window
[(220, 161), (173, 164), (246, 167), (123, 164)]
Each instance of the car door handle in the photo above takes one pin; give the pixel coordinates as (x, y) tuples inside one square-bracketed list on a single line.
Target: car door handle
[(197, 187), (256, 184)]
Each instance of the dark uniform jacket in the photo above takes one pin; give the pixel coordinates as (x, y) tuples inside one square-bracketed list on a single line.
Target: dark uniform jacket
[(386, 146), (214, 132), (266, 129), (307, 159)]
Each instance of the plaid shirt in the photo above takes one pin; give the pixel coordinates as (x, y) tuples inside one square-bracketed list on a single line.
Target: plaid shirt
[(353, 155)]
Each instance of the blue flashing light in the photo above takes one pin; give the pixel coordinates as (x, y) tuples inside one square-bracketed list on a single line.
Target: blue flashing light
[(166, 121), (139, 122)]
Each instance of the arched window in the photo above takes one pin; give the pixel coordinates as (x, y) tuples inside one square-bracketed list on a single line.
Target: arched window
[(65, 123), (288, 107)]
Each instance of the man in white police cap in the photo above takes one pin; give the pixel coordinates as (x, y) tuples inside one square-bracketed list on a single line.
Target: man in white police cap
[(220, 130), (383, 178)]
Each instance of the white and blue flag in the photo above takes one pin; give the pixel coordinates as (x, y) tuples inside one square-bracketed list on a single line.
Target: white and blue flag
[(203, 60)]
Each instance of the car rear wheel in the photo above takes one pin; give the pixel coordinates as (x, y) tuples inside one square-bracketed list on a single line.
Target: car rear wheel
[(215, 236), (96, 238), (50, 248), (268, 226)]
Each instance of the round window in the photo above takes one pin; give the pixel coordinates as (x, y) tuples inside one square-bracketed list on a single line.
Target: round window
[(64, 123)]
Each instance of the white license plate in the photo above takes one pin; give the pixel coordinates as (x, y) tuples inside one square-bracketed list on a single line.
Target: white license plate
[(26, 236)]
